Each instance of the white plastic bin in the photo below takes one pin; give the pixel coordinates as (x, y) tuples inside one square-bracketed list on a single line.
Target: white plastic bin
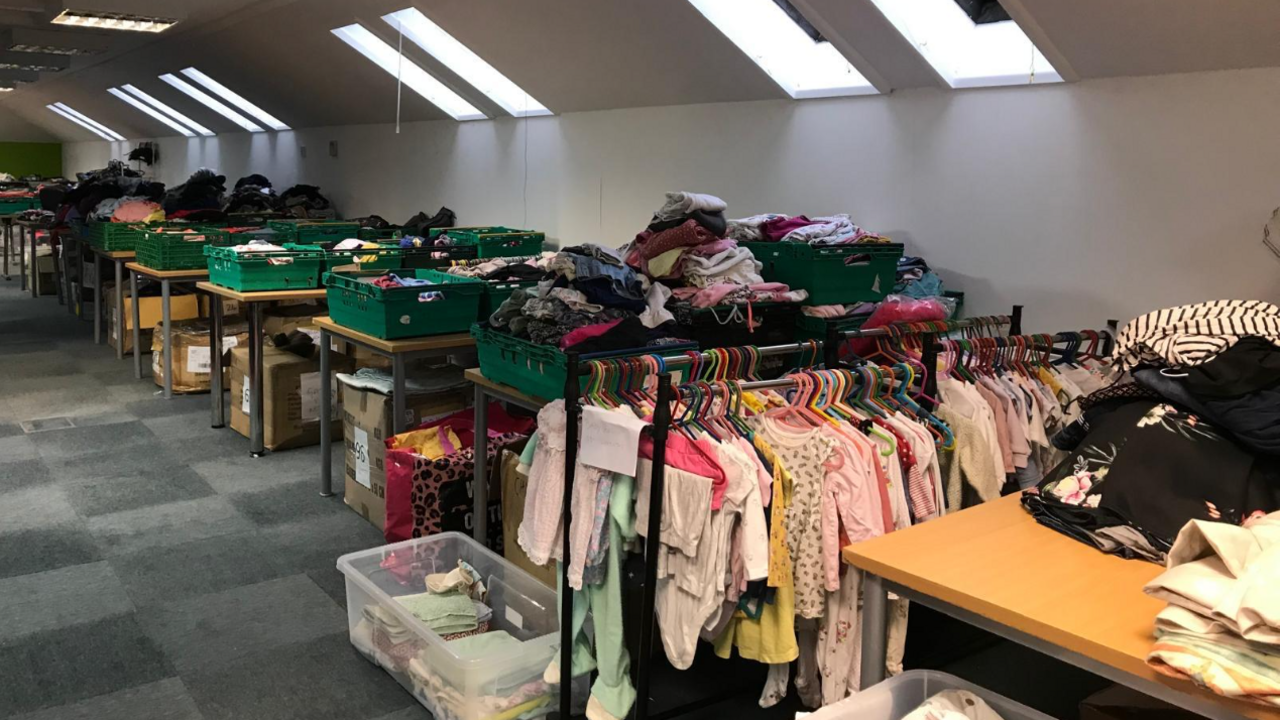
[(896, 697), (472, 686)]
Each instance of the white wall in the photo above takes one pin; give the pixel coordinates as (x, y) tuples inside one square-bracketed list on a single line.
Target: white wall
[(14, 128), (1101, 199)]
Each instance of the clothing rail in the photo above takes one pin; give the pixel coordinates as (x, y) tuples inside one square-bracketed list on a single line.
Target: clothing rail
[(659, 431)]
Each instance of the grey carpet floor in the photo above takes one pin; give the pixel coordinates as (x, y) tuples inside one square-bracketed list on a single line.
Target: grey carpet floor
[(149, 568)]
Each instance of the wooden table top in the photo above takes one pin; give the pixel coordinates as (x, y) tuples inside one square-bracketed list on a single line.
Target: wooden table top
[(407, 345), (168, 274), (262, 296), (994, 560), (117, 254), (474, 375)]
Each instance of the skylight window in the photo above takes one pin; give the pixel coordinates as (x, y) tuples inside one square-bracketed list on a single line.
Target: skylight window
[(150, 111), (805, 68), (204, 99), (387, 58), (965, 53), (468, 65), (225, 93), (85, 122), (146, 98)]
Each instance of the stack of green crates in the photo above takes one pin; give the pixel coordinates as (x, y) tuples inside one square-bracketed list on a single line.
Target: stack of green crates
[(310, 232), (382, 258), (178, 249), (833, 274), (254, 272), (449, 305), (495, 241), (114, 237)]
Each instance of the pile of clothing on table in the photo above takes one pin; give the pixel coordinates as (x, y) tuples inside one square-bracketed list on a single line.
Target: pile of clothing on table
[(199, 199), (772, 227), (1221, 628), (36, 215), (1193, 433), (685, 246), (305, 201), (100, 193), (504, 269), (423, 224), (590, 301), (252, 194), (453, 605)]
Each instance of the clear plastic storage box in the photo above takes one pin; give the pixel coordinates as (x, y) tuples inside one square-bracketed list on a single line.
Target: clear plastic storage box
[(896, 697), (496, 673)]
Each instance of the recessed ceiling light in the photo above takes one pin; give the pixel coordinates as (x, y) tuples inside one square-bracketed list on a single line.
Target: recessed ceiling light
[(208, 101), (168, 110), (386, 57), (32, 68), (85, 122), (964, 53), (114, 21), (468, 65), (49, 50), (150, 111), (226, 94), (803, 66)]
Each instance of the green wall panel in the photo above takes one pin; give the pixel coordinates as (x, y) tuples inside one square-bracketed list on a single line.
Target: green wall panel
[(18, 159)]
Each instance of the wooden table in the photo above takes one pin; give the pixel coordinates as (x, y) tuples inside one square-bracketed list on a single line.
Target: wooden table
[(118, 258), (486, 390), (399, 352), (253, 302), (165, 277), (994, 567)]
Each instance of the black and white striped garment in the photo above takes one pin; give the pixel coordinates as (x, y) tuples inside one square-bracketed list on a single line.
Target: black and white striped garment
[(1194, 334)]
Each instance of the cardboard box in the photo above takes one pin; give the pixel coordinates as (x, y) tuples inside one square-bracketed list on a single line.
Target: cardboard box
[(150, 313), (1120, 703), (290, 397), (190, 340), (40, 274), (366, 424), (286, 319), (515, 486)]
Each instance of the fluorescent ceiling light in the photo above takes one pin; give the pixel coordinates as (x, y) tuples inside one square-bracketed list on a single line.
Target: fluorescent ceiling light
[(49, 50), (67, 113), (114, 21), (803, 67), (67, 109), (152, 112), (28, 66), (966, 54), (226, 94), (209, 102), (468, 65), (386, 57), (168, 111)]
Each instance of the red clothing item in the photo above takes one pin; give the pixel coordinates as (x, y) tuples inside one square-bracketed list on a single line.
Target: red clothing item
[(687, 455), (651, 245), (586, 332), (775, 230)]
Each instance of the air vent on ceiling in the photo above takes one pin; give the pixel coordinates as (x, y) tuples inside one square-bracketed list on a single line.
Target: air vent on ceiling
[(982, 12)]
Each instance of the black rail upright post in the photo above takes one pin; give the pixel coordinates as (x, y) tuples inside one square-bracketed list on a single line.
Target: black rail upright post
[(571, 412), (1015, 321), (831, 346), (929, 358), (653, 544)]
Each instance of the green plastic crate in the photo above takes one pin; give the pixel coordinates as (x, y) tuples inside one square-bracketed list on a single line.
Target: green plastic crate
[(495, 241), (449, 306), (263, 271), (114, 237), (812, 328), (372, 234), (173, 249), (834, 274), (308, 233), (384, 258), (13, 206), (539, 370)]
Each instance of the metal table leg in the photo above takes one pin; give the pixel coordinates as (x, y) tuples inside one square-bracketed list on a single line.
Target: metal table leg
[(168, 337), (22, 256), (137, 331), (99, 299), (30, 238), (69, 247), (215, 360), (480, 480), (874, 630), (8, 245), (80, 281), (326, 401), (120, 308), (257, 447), (57, 265)]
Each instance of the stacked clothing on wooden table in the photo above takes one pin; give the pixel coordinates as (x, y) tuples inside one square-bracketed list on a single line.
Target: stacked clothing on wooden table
[(1193, 435), (1221, 628)]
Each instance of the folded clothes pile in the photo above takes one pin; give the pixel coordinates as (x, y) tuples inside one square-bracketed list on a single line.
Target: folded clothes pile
[(832, 230), (422, 224), (1221, 628), (204, 190), (422, 381), (305, 201), (253, 194), (257, 246)]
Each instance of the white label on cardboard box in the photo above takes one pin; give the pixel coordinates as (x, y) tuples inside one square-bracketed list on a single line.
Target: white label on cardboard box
[(198, 359), (361, 451), (230, 342), (244, 399), (610, 439), (230, 307)]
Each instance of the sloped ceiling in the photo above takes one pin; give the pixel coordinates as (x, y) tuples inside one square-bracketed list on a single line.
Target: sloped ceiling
[(579, 55)]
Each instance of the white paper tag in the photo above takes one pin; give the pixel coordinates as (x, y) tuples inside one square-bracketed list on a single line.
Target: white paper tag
[(198, 359), (361, 451), (310, 383), (230, 307), (244, 396), (514, 618), (229, 342), (610, 440)]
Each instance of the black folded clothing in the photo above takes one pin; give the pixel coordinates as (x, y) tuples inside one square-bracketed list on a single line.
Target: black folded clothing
[(420, 224)]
